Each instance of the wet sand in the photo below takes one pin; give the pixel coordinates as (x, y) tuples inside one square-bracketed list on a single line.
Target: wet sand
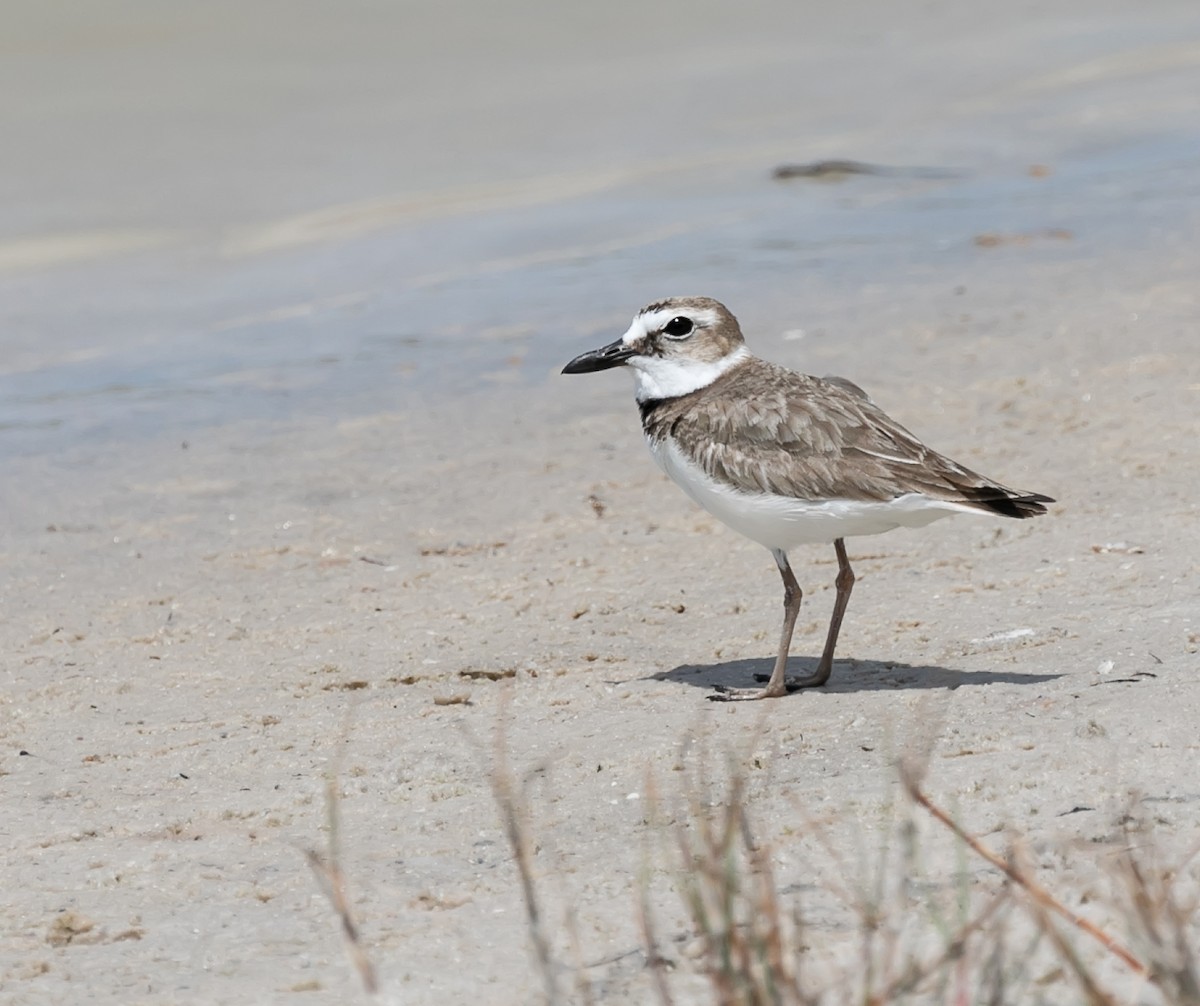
[(289, 466)]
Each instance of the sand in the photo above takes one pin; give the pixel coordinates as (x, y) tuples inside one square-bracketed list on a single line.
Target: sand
[(295, 497)]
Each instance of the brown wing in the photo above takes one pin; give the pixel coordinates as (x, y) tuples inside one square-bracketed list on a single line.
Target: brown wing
[(767, 429)]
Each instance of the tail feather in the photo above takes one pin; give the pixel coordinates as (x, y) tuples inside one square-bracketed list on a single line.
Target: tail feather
[(1005, 502)]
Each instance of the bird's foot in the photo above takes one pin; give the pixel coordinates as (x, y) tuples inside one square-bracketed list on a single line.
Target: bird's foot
[(724, 694), (795, 684)]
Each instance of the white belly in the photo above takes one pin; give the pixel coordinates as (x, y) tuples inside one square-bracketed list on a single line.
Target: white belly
[(783, 522)]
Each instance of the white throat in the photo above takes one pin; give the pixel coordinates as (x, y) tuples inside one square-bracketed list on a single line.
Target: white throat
[(656, 377)]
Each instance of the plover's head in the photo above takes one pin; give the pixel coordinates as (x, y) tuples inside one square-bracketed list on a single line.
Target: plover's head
[(674, 347)]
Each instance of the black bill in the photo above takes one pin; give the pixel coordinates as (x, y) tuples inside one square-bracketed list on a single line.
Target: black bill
[(612, 355)]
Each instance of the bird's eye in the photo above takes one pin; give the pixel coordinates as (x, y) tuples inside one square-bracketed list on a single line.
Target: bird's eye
[(678, 328)]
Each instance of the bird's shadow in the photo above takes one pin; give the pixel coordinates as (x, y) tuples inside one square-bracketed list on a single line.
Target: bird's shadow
[(847, 676)]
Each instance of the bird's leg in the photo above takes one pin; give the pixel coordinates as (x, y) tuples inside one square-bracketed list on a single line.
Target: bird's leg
[(777, 685), (844, 584)]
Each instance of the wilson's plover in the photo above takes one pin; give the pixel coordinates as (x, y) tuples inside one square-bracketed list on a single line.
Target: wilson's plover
[(784, 458)]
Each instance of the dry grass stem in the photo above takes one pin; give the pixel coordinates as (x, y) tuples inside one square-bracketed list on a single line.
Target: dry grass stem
[(749, 956), (1094, 995), (332, 880), (915, 975), (919, 938), (513, 803), (1161, 923), (1038, 893), (654, 959)]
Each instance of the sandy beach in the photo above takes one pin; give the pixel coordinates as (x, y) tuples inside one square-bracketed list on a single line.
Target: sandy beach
[(297, 502)]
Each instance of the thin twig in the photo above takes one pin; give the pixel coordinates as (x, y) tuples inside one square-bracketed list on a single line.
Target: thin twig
[(514, 815), (904, 984), (1096, 996), (1163, 924), (654, 958), (332, 880), (1027, 883)]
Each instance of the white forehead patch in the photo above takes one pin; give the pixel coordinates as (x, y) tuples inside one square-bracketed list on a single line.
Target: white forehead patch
[(644, 324)]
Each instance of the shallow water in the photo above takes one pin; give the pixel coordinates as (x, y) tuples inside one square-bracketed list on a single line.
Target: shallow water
[(314, 285)]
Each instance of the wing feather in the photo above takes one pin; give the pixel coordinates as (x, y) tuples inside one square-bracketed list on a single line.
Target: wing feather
[(767, 429)]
